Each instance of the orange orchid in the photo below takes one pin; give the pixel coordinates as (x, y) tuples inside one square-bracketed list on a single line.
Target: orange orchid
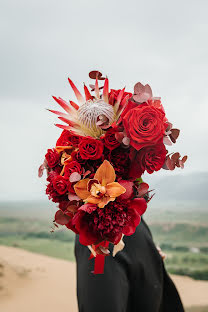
[(102, 188)]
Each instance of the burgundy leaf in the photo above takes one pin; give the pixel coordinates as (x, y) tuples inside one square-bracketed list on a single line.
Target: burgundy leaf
[(95, 73), (170, 163), (175, 157), (184, 159), (143, 189), (119, 136), (72, 208), (40, 170), (139, 88), (174, 135), (126, 141), (167, 141), (61, 218), (181, 164), (72, 197), (128, 185), (74, 177)]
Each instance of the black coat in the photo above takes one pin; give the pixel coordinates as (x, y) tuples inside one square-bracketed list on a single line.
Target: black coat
[(135, 280)]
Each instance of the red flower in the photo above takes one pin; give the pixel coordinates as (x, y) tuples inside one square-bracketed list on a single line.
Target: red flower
[(145, 124), (67, 138), (52, 194), (51, 191), (150, 158), (119, 158), (73, 166), (137, 207), (90, 148), (77, 157), (109, 139), (52, 157), (113, 95), (60, 184), (95, 225)]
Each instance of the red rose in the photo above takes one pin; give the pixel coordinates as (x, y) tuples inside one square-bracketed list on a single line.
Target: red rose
[(60, 184), (52, 157), (77, 157), (145, 125), (51, 191), (149, 158), (90, 148), (109, 140), (52, 194), (67, 138), (73, 166)]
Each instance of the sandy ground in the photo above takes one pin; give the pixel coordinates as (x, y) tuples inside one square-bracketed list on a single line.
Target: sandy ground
[(32, 282)]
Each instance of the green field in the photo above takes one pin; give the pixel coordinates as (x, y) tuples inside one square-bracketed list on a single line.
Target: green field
[(182, 235), (34, 235)]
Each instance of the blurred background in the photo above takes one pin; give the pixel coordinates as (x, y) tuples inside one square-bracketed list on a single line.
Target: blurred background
[(161, 43)]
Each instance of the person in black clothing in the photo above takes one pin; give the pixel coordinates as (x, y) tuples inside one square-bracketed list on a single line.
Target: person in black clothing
[(135, 280)]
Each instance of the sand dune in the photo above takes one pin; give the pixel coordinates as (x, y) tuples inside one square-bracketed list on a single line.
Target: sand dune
[(32, 282)]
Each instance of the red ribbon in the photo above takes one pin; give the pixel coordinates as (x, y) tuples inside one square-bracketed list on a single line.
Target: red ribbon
[(99, 264), (100, 260)]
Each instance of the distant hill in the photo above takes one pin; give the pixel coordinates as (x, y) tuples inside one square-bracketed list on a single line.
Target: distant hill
[(180, 187), (43, 209)]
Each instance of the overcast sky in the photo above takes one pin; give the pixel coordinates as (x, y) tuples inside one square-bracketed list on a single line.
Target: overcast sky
[(163, 43)]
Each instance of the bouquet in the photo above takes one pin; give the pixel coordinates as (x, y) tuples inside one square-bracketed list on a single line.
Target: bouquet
[(109, 139)]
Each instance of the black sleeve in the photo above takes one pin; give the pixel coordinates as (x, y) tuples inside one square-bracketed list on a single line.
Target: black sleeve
[(102, 292)]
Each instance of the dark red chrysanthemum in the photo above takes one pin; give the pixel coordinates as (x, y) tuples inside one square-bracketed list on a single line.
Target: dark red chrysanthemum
[(110, 222), (119, 158)]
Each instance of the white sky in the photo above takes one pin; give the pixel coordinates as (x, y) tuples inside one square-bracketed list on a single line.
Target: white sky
[(163, 43)]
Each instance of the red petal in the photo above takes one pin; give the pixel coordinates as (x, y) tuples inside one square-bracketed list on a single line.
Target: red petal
[(89, 208), (139, 204), (88, 96), (76, 92), (128, 185)]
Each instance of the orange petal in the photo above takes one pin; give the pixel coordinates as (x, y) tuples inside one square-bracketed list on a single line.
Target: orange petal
[(104, 201), (114, 189), (92, 199), (63, 148), (81, 189), (105, 173)]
